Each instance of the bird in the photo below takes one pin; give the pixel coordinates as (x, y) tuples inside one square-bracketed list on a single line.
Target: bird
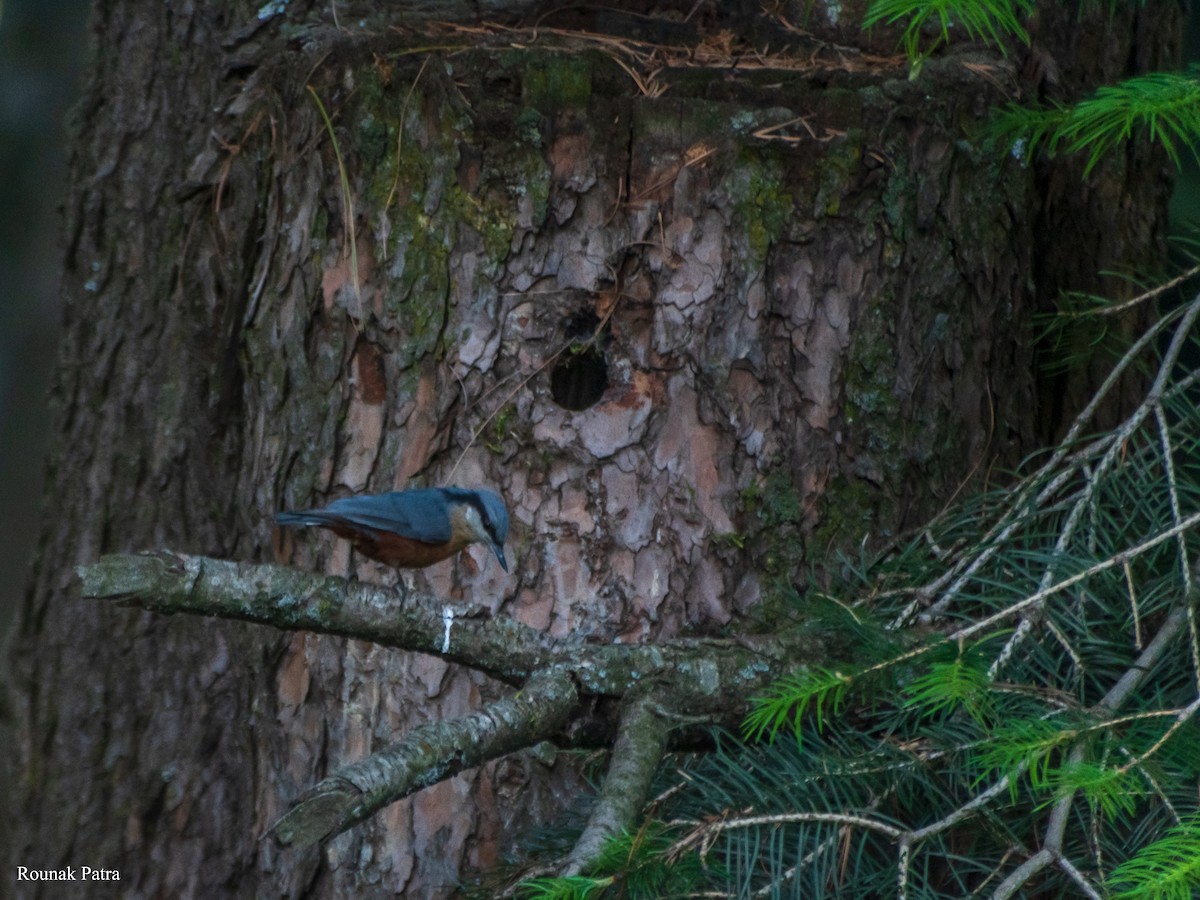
[(412, 529)]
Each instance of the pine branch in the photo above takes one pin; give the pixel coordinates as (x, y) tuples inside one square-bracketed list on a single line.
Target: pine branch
[(1131, 679), (1064, 463), (989, 21), (1161, 107), (1083, 556), (1149, 406)]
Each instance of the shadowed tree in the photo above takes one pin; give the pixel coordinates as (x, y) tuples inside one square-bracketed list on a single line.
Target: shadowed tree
[(709, 294)]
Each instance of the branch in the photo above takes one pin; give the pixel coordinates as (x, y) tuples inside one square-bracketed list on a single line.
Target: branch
[(704, 680), (641, 742), (293, 600), (1036, 490), (430, 753), (704, 677), (1051, 852)]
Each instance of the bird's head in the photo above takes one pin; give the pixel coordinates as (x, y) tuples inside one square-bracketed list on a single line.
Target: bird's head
[(487, 518)]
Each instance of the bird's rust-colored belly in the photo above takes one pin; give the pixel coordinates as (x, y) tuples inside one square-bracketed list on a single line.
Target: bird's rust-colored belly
[(394, 550)]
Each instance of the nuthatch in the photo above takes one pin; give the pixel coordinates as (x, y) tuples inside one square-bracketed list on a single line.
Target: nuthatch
[(413, 529)]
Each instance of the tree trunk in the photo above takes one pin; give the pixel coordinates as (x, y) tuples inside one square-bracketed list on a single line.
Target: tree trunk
[(706, 313)]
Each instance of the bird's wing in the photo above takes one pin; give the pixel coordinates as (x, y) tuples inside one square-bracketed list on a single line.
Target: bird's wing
[(422, 515)]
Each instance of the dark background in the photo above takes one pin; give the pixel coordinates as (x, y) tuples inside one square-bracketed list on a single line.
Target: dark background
[(43, 49), (42, 54)]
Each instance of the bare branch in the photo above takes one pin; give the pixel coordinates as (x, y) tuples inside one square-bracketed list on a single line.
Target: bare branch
[(639, 747), (706, 678), (430, 753), (167, 582), (706, 681)]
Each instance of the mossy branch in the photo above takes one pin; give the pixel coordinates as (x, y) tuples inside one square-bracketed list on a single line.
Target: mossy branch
[(166, 582), (428, 754), (702, 681), (639, 747)]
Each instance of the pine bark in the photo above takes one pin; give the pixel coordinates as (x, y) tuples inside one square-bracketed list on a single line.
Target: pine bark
[(809, 281)]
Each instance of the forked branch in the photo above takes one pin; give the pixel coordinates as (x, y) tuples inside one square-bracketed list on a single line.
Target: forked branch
[(700, 681)]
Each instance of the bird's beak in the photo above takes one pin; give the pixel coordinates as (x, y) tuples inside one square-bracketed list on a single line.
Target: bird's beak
[(498, 549)]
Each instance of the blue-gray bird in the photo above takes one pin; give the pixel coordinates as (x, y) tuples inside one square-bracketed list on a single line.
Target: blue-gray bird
[(413, 529)]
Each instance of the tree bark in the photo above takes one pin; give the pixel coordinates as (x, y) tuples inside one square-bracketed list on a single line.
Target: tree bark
[(708, 305)]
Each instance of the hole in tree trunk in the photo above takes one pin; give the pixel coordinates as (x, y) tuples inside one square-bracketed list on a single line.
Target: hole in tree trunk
[(580, 376)]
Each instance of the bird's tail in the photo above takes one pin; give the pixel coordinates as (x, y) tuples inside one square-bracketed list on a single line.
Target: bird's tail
[(302, 517)]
